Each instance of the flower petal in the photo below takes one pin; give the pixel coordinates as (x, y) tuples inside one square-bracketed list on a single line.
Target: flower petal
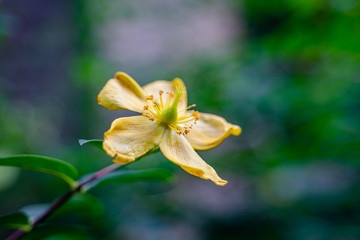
[(210, 131), (122, 92), (131, 137), (167, 86), (178, 150)]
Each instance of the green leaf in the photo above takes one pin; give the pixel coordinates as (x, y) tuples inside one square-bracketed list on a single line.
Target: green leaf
[(85, 205), (48, 165), (132, 176), (93, 142), (15, 220), (81, 204), (33, 211), (56, 232)]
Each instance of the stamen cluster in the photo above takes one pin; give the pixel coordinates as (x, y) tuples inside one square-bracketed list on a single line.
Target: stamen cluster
[(157, 109)]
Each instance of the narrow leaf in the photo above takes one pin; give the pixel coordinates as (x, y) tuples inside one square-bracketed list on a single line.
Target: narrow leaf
[(14, 220), (85, 205), (93, 142), (33, 211), (81, 204), (56, 231), (132, 176), (43, 164)]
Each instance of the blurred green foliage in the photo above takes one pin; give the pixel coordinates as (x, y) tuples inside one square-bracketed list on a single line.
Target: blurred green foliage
[(290, 80)]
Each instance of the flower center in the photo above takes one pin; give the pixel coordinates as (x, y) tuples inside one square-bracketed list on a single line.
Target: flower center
[(170, 115), (164, 109)]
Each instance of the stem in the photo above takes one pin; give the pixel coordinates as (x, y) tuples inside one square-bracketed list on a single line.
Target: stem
[(62, 200)]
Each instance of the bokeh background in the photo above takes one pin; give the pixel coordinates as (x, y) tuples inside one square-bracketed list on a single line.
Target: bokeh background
[(287, 72)]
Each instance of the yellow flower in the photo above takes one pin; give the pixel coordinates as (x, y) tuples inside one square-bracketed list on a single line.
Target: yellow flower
[(166, 122)]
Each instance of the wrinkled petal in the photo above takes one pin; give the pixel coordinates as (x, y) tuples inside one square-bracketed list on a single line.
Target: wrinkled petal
[(210, 131), (167, 86), (178, 150), (131, 137), (122, 92)]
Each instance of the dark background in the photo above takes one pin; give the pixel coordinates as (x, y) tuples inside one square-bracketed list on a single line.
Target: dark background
[(287, 72)]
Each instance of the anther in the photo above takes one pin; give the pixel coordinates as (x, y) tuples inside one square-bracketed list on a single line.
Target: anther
[(191, 106), (196, 114), (150, 97)]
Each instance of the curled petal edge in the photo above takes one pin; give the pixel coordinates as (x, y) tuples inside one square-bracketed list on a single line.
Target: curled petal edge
[(210, 131), (179, 151), (122, 92)]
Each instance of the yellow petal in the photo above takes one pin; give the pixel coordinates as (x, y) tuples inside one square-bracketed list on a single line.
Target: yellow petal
[(167, 86), (131, 137), (210, 131), (122, 92), (178, 150)]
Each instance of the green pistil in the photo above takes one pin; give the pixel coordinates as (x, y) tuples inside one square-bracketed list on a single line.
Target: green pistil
[(170, 115)]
